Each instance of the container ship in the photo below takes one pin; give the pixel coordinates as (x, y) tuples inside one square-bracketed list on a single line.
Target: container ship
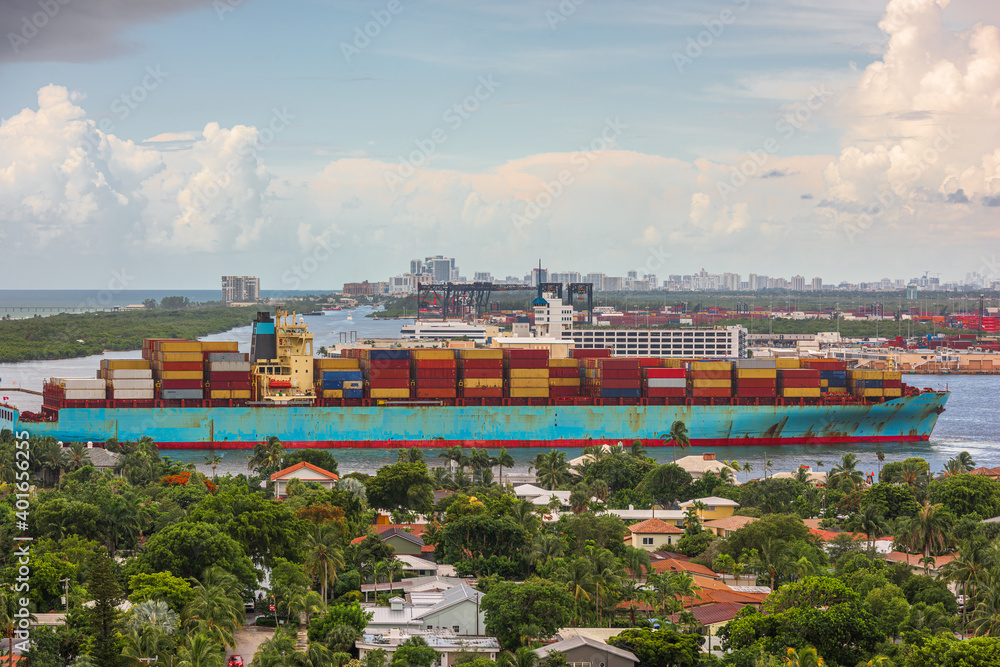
[(208, 395)]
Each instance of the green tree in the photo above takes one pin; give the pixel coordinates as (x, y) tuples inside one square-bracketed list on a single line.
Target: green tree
[(414, 652), (667, 483), (401, 485), (893, 500), (318, 457), (965, 494), (551, 469), (678, 435), (951, 652), (889, 607), (175, 591), (927, 531), (345, 613), (103, 618), (517, 613), (845, 474), (266, 457), (186, 549), (323, 557), (504, 460), (216, 610), (656, 648)]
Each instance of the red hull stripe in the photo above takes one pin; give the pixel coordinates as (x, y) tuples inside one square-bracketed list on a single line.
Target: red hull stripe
[(566, 444)]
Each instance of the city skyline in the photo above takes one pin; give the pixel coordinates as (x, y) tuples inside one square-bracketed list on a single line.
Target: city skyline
[(177, 141)]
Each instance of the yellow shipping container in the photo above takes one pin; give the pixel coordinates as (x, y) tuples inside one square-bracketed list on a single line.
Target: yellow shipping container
[(220, 346), (480, 354), (519, 392), (337, 364), (869, 393), (124, 364), (529, 383), (483, 383), (837, 390), (757, 374), (866, 375), (786, 362), (893, 393), (529, 373), (221, 393), (892, 375), (564, 363), (432, 354), (672, 362), (178, 346), (181, 375), (710, 365), (241, 393), (172, 357), (824, 383), (564, 382), (390, 393), (803, 392), (333, 393), (710, 384)]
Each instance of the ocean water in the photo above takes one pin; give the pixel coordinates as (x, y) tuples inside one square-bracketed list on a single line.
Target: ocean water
[(971, 421)]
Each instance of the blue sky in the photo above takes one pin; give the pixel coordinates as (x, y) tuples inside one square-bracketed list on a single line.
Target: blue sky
[(184, 140)]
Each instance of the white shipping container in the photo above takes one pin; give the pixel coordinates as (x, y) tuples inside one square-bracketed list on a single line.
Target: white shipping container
[(670, 383), (229, 367), (78, 383), (130, 374), (132, 384), (132, 394), (85, 394)]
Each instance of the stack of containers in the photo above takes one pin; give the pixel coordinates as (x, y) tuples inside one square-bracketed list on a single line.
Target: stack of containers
[(755, 378), (387, 373), (334, 378), (590, 353), (481, 373), (435, 373), (664, 382), (227, 371), (564, 377), (787, 362), (867, 384), (527, 372), (128, 379), (613, 378), (178, 369), (76, 389), (798, 383), (832, 374), (892, 384), (710, 379)]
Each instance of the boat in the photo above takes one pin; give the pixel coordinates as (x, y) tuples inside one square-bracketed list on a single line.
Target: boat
[(313, 313), (332, 308), (287, 403)]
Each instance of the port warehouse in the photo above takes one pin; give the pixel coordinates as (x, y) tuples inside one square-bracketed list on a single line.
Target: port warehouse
[(728, 342)]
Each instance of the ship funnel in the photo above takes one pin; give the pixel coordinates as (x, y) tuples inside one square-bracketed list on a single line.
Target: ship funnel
[(264, 344)]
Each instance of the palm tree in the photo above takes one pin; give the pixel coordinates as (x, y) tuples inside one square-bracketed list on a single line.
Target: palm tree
[(155, 614), (880, 455), (200, 650), (546, 547), (771, 559), (479, 460), (355, 487), (303, 602), (748, 468), (804, 568), (504, 460), (216, 611), (637, 449), (965, 458), (926, 532), (678, 435), (524, 656), (323, 556), (726, 476), (846, 472), (599, 489), (552, 469), (454, 455), (952, 468), (76, 456), (970, 567), (986, 617), (266, 456), (213, 459), (409, 455), (577, 575), (871, 522), (807, 657)]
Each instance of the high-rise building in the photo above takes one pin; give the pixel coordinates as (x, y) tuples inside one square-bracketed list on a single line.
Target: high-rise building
[(539, 276), (798, 283), (482, 277), (439, 267), (731, 281), (595, 279), (612, 284), (240, 289), (817, 284), (416, 267)]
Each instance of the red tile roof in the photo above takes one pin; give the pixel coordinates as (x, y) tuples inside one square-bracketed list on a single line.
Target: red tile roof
[(415, 529), (654, 527), (990, 472), (304, 464), (672, 565), (709, 614), (913, 560)]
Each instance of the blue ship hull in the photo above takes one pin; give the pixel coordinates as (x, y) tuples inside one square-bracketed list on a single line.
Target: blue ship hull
[(910, 418)]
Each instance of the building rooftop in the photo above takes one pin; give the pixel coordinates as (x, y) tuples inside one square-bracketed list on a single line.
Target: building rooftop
[(710, 614), (711, 500), (730, 522), (322, 474), (452, 596), (579, 641), (671, 565), (654, 527)]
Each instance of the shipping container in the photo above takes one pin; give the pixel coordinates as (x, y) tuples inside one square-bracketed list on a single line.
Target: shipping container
[(529, 392), (435, 355), (800, 392), (389, 393), (180, 394)]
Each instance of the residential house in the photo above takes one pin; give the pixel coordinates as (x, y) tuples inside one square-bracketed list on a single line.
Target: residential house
[(673, 565), (918, 567), (305, 471), (458, 612), (697, 465), (715, 507), (399, 538), (417, 566), (711, 618), (581, 651), (728, 526), (450, 647), (540, 497), (992, 473), (653, 534)]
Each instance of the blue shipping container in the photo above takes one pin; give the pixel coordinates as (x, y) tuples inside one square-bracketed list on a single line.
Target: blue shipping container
[(621, 393), (340, 376), (353, 393), (389, 354)]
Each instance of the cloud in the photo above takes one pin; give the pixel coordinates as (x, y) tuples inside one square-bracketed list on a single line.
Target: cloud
[(78, 30), (169, 136), (776, 173), (957, 197)]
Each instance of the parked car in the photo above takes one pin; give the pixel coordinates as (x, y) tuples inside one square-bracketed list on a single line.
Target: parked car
[(235, 661), (249, 607)]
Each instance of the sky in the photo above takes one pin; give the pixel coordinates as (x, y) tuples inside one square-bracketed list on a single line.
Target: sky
[(164, 143)]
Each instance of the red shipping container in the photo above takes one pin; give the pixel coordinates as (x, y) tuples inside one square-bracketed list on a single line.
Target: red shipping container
[(799, 383), (620, 374), (526, 363), (665, 392), (564, 391), (436, 393), (180, 384), (228, 376), (755, 392), (586, 353), (482, 392), (389, 374), (389, 384), (239, 386), (892, 384), (436, 374), (564, 372), (482, 363), (799, 373), (665, 373), (620, 384), (618, 364), (710, 375), (711, 392), (425, 364), (482, 373), (648, 362), (523, 353), (388, 364), (824, 364), (435, 383), (182, 366), (220, 386), (756, 383)]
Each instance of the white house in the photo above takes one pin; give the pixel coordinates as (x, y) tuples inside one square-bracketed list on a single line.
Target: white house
[(305, 471)]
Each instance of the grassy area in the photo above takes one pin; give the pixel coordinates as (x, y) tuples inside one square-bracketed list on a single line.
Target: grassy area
[(65, 336)]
